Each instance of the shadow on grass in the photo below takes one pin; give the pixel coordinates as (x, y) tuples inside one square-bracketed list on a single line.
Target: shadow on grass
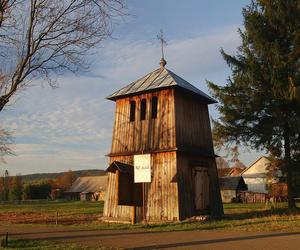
[(262, 213), (41, 245), (220, 240)]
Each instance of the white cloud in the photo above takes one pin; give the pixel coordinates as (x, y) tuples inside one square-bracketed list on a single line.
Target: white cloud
[(193, 56), (71, 127)]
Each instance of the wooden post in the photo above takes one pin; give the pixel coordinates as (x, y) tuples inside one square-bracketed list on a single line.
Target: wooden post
[(6, 239), (117, 186), (133, 215), (144, 205), (56, 218)]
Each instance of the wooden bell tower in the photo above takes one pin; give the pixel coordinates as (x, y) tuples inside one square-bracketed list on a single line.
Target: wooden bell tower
[(163, 115)]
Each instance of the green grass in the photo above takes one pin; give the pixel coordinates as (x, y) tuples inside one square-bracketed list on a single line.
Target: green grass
[(246, 217), (238, 217), (74, 212), (72, 207), (45, 245)]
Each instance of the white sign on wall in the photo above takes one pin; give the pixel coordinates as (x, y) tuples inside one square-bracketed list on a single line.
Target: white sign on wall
[(142, 168)]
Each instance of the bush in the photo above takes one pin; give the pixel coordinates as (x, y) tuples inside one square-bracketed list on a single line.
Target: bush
[(36, 191)]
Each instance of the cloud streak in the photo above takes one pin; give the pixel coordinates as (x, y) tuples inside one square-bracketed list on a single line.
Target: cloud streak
[(71, 127)]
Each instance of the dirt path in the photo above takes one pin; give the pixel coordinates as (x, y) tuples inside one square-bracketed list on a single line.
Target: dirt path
[(131, 239)]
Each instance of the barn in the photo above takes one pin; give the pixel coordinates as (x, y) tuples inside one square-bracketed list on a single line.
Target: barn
[(166, 118), (230, 187), (88, 188), (255, 175)]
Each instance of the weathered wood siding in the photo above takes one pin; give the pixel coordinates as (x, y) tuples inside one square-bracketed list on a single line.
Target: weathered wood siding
[(180, 135), (185, 164), (144, 135), (161, 195), (193, 132)]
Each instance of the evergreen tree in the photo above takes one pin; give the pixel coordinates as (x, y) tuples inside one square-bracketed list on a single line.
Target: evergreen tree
[(260, 103)]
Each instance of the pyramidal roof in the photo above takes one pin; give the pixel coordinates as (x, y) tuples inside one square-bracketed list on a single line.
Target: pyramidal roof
[(158, 79)]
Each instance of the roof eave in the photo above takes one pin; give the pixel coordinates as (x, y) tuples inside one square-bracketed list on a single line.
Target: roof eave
[(206, 100)]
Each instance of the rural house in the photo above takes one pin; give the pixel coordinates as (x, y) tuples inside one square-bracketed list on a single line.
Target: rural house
[(163, 121), (230, 187), (256, 174), (90, 188)]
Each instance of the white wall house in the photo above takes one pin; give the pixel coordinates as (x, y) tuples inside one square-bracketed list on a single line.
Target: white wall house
[(255, 176)]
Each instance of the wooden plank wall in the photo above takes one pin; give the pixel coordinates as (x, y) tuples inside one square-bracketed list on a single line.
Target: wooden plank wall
[(161, 195), (193, 132), (162, 192), (186, 185), (149, 134), (111, 209)]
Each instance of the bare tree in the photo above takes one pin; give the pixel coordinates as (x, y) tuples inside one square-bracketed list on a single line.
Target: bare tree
[(6, 142), (45, 38), (222, 163)]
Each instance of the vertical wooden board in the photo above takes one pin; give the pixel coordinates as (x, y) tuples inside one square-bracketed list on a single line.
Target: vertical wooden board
[(168, 185), (150, 134), (181, 185), (172, 121), (168, 122), (114, 137), (173, 200), (163, 186), (107, 197), (154, 190), (121, 130), (126, 125), (172, 180), (138, 126), (192, 123)]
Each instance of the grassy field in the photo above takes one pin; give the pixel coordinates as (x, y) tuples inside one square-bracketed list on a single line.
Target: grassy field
[(247, 217), (75, 212), (238, 217), (46, 245)]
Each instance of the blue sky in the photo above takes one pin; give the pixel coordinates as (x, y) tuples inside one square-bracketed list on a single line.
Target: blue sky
[(71, 127)]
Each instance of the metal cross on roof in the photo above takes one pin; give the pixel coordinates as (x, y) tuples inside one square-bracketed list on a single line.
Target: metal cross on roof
[(163, 42)]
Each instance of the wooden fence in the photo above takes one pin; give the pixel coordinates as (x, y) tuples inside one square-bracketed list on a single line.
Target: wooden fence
[(252, 197)]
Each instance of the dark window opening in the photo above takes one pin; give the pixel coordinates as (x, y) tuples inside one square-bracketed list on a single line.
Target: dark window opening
[(132, 111), (154, 107), (143, 109)]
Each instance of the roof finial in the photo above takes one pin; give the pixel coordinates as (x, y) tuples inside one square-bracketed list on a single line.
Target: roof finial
[(163, 42)]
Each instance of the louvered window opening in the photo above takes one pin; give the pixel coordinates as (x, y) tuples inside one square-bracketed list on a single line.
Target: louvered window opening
[(143, 109), (154, 107), (132, 111)]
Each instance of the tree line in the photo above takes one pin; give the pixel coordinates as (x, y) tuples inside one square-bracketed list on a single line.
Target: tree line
[(12, 188)]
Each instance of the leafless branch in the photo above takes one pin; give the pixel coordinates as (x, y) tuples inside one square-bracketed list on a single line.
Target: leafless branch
[(43, 38), (6, 142)]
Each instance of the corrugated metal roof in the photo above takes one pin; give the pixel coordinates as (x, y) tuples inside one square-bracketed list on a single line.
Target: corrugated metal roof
[(157, 79), (89, 184)]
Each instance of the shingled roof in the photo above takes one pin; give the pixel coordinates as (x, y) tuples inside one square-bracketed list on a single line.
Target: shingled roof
[(158, 79)]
